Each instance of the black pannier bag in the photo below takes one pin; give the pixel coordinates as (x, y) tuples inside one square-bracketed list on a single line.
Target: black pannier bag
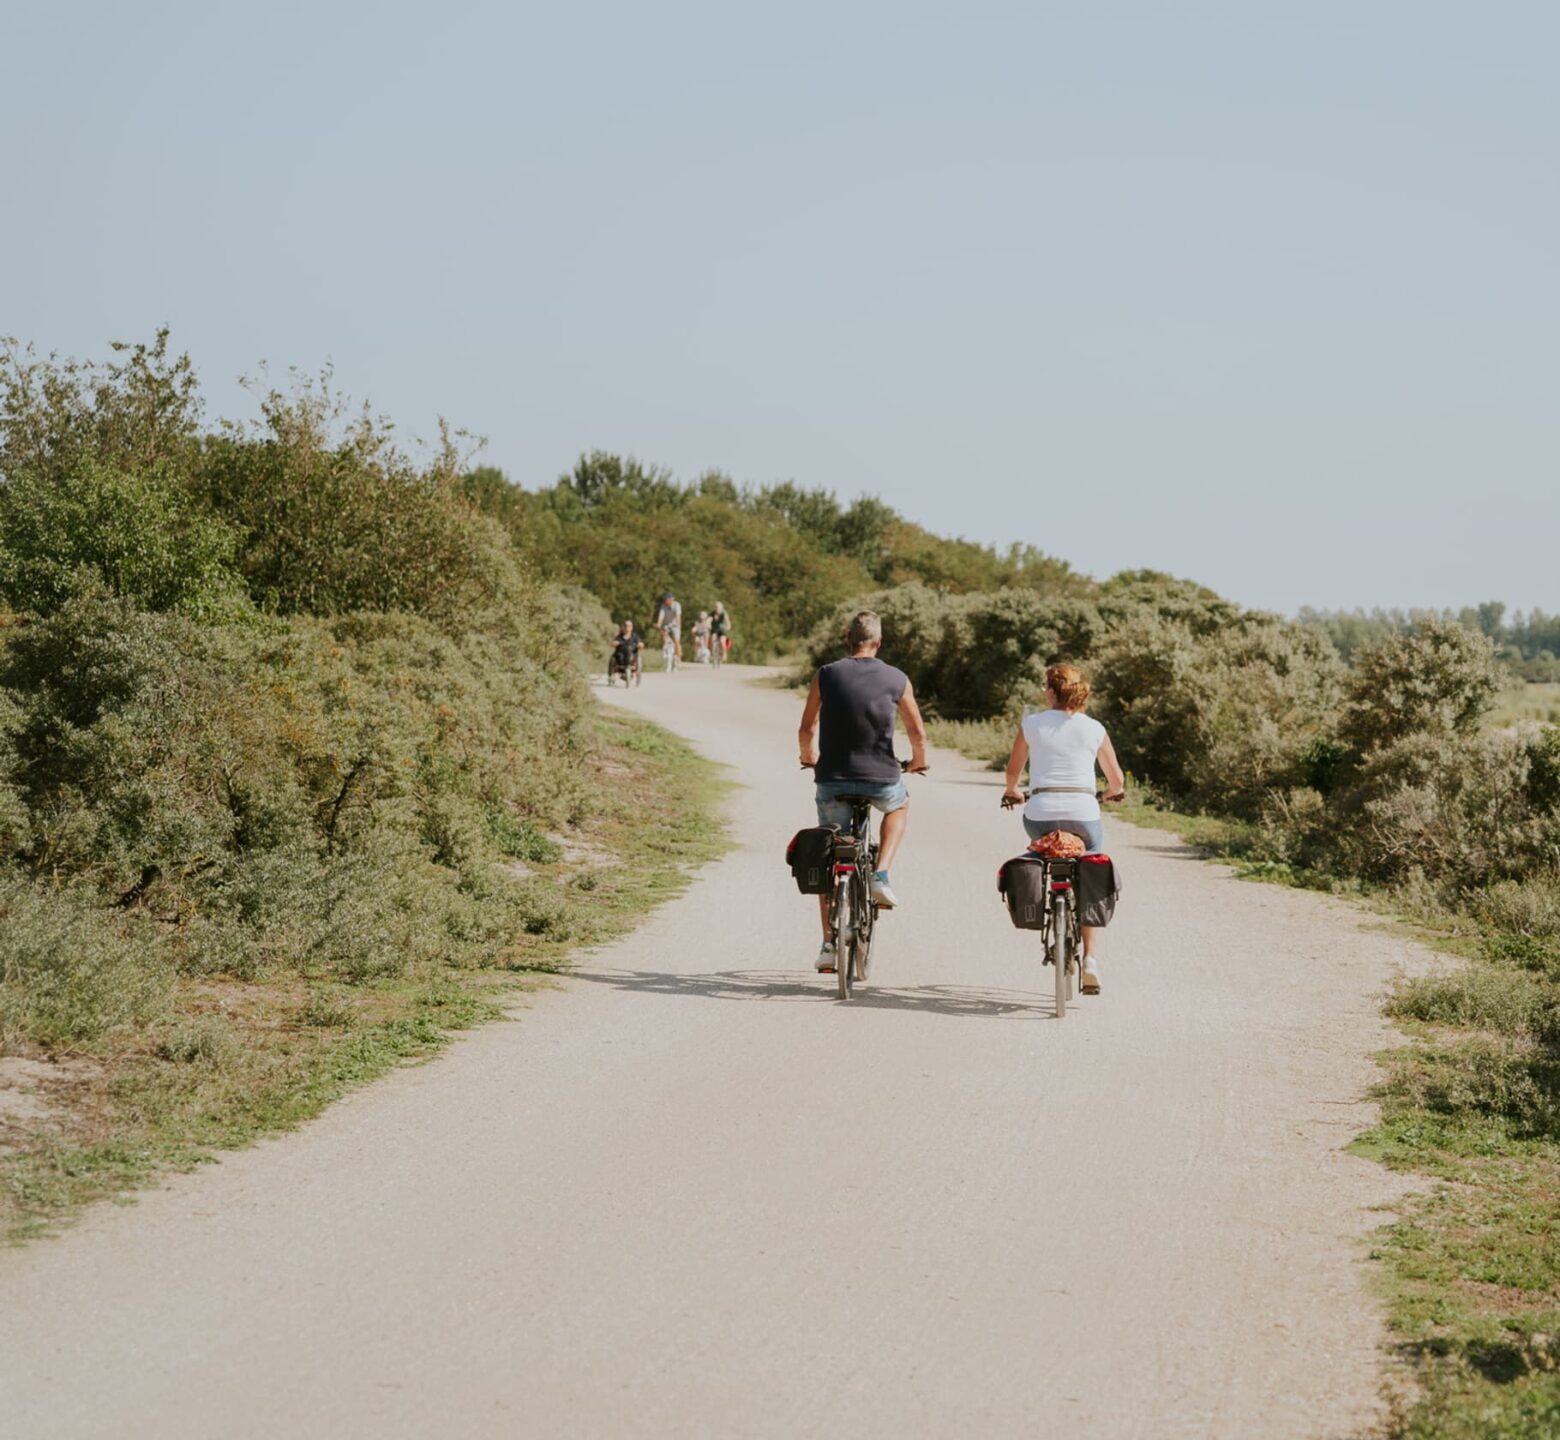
[(1099, 886), (1021, 882), (811, 858)]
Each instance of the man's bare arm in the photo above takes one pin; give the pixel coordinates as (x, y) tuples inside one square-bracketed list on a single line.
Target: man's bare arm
[(915, 728), (807, 734)]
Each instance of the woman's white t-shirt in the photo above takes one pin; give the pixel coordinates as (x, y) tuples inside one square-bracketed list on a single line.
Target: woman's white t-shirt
[(1062, 748)]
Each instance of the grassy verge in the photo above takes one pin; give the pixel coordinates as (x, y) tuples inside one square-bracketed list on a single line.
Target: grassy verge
[(1470, 1272), (229, 1059)]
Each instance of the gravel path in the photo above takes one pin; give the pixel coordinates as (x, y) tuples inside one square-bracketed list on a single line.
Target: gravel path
[(693, 1195)]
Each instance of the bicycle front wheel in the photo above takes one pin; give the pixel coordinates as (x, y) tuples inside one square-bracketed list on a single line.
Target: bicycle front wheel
[(1059, 955)]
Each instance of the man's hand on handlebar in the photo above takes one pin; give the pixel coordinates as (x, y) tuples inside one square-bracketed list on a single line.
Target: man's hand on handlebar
[(914, 766)]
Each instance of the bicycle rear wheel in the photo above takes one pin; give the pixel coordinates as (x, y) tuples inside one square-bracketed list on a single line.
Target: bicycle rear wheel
[(866, 931), (1059, 953), (844, 939)]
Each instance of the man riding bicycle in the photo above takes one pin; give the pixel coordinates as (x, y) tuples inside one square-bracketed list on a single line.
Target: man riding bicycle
[(668, 620), (847, 735)]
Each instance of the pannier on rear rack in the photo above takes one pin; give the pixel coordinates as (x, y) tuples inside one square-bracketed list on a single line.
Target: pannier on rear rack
[(811, 858), (1021, 882), (1099, 887)]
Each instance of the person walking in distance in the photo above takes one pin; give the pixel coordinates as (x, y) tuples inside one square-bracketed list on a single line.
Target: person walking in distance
[(847, 736), (668, 620)]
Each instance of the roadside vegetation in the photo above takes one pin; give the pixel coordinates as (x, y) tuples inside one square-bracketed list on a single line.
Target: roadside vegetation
[(778, 557), (298, 768)]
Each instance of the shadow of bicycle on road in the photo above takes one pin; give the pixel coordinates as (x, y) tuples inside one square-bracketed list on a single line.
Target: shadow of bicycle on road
[(971, 1002)]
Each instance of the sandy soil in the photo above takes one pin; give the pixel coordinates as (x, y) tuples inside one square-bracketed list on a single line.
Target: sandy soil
[(693, 1195)]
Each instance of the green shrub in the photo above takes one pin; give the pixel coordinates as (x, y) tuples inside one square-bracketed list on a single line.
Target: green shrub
[(1219, 719), (72, 969), (1436, 680), (1478, 997), (138, 534), (972, 656), (334, 518)]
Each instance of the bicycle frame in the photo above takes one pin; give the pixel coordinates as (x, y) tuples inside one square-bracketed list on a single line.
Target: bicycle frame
[(1064, 950), (852, 915)]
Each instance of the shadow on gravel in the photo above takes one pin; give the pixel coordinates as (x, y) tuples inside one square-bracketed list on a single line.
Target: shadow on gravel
[(960, 1000), (1174, 852)]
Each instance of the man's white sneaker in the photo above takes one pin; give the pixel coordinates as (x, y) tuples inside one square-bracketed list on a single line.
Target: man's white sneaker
[(825, 961), (882, 896)]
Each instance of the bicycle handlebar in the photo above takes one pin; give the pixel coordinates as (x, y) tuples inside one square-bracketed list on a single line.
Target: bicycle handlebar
[(1101, 796), (904, 767)]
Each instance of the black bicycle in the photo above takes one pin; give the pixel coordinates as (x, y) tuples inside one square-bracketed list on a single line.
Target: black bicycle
[(853, 915), (1061, 937), (620, 665)]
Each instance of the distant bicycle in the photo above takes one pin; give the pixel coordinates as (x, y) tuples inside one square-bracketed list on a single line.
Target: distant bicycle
[(622, 667), (669, 651)]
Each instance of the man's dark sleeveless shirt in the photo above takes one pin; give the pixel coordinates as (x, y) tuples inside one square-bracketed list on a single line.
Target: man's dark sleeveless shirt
[(856, 721)]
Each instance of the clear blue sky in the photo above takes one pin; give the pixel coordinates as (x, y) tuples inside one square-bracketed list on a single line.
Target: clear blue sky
[(1266, 295)]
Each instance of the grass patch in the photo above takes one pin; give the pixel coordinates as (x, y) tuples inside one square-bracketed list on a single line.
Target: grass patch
[(988, 741), (228, 1059), (1533, 703)]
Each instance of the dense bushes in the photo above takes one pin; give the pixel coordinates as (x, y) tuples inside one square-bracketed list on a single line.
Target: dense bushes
[(969, 656), (270, 701), (334, 518), (779, 558)]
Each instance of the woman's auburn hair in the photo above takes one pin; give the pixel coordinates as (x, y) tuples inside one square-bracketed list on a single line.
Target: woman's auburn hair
[(1066, 682)]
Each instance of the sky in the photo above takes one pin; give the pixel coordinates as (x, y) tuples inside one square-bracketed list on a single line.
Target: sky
[(1261, 294)]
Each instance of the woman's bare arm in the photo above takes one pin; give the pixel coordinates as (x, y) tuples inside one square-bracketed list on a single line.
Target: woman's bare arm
[(1115, 777)]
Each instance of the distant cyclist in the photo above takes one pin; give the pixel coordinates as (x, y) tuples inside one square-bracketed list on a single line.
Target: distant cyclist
[(720, 629), (668, 620), (847, 733), (625, 652), (1062, 746), (701, 639)]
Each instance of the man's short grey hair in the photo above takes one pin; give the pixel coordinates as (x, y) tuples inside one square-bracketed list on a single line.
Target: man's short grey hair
[(865, 629)]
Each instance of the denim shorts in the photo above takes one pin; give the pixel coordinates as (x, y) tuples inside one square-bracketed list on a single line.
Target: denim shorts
[(1091, 832), (885, 798)]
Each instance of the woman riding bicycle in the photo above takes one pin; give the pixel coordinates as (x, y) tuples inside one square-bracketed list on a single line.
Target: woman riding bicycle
[(1062, 746)]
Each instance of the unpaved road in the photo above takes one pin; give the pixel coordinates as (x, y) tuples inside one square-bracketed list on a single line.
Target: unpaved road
[(693, 1195)]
